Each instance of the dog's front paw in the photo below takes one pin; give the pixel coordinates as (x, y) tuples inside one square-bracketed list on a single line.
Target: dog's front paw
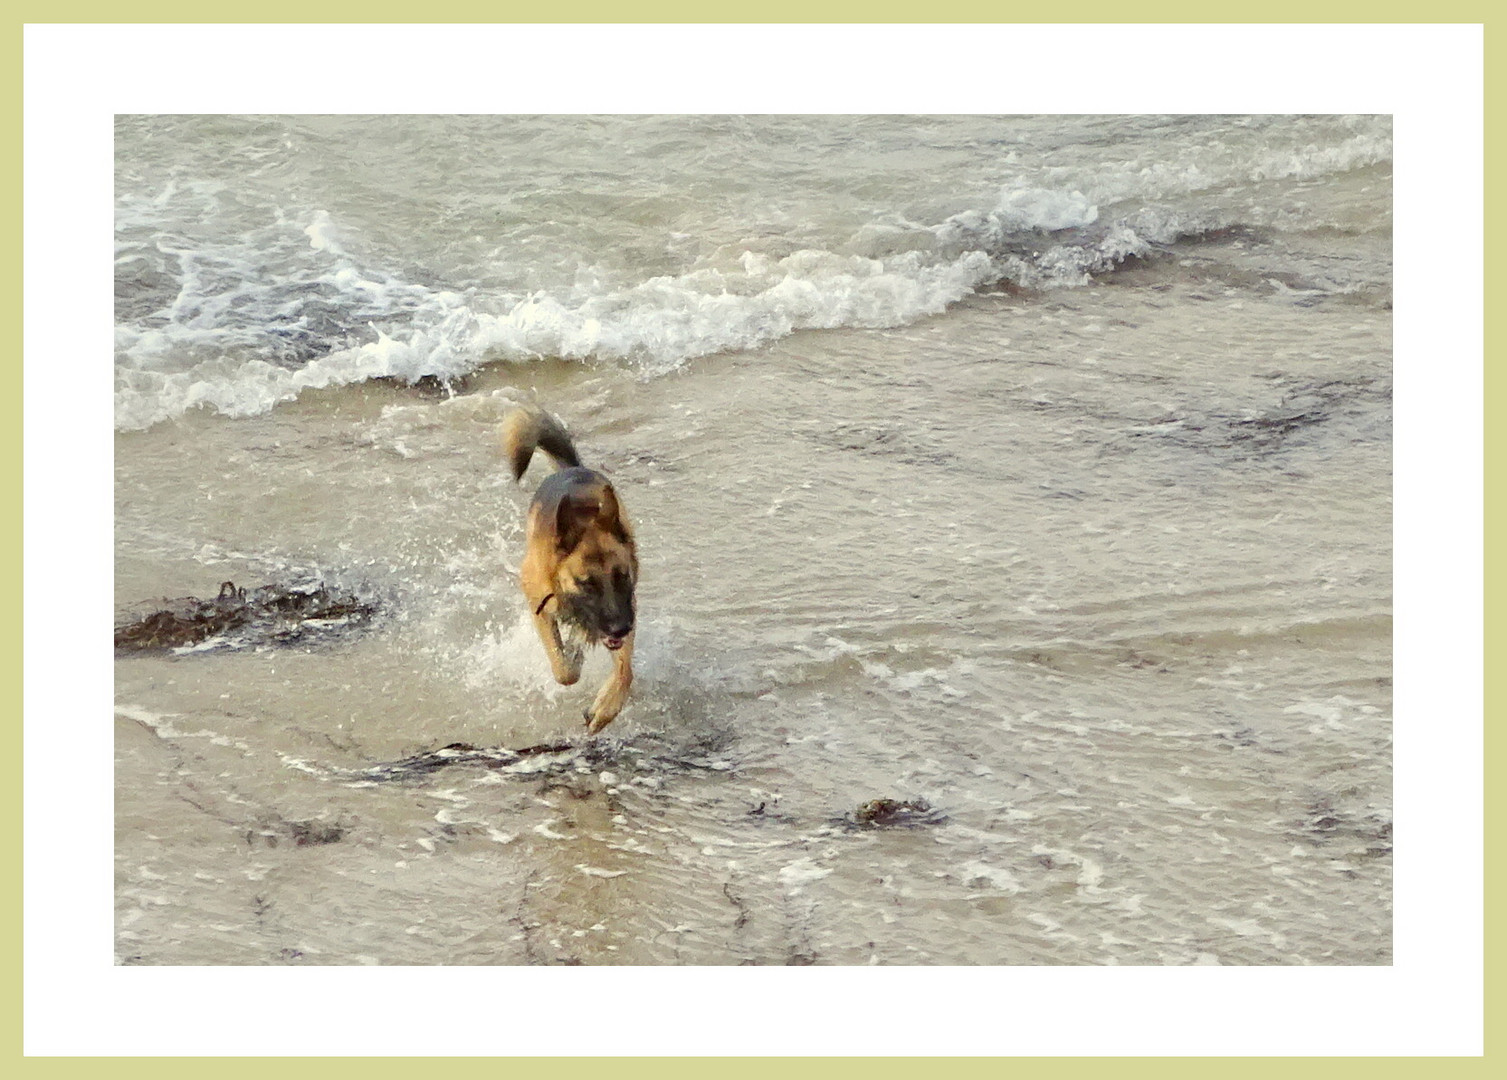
[(595, 723)]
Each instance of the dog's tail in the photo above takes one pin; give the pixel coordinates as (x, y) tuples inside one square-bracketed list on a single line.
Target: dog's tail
[(527, 429)]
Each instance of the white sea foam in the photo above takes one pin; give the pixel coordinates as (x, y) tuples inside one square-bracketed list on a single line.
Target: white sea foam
[(797, 875), (978, 873), (598, 872), (321, 233), (655, 325)]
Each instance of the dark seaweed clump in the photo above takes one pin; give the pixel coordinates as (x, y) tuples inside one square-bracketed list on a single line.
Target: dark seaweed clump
[(272, 614), (432, 761), (895, 812), (646, 754)]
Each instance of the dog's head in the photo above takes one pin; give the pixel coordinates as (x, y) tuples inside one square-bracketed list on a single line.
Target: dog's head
[(597, 568)]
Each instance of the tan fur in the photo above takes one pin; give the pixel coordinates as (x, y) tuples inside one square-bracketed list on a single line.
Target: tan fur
[(580, 564)]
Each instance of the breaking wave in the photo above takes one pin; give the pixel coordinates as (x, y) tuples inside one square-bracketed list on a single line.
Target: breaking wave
[(242, 322)]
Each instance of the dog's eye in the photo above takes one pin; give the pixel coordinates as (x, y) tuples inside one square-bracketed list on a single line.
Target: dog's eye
[(588, 585)]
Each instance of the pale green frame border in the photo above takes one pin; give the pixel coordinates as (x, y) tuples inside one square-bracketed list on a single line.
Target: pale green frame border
[(770, 11)]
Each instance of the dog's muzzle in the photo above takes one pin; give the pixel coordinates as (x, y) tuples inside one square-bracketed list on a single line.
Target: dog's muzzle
[(614, 643)]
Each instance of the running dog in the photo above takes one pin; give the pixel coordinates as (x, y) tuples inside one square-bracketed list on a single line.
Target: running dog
[(580, 564)]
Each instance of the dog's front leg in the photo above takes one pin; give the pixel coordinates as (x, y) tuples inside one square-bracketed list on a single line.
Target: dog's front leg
[(614, 692), (564, 660)]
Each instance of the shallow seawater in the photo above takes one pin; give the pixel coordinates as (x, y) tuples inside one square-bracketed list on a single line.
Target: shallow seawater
[(1100, 573)]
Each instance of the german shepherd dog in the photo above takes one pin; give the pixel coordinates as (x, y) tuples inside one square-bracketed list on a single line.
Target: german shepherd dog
[(580, 565)]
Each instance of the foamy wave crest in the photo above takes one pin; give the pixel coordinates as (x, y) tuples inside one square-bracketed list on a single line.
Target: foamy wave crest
[(1074, 246), (655, 325), (1092, 219), (665, 321)]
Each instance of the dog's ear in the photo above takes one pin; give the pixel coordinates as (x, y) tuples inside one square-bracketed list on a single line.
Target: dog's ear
[(610, 514), (578, 513), (572, 518)]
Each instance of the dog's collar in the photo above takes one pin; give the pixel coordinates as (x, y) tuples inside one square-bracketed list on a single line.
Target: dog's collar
[(540, 609)]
